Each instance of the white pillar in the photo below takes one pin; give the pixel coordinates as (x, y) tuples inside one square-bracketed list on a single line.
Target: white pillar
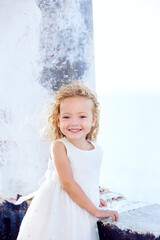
[(43, 44), (66, 42)]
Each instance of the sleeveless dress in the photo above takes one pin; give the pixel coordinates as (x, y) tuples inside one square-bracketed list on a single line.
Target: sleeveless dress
[(52, 214)]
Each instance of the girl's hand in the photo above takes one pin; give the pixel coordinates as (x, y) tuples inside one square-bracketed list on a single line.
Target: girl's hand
[(107, 214), (102, 203)]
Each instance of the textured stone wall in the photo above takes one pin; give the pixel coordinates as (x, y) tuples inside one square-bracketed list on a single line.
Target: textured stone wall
[(43, 44), (66, 42)]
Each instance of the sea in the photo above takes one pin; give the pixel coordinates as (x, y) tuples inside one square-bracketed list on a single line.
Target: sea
[(130, 138)]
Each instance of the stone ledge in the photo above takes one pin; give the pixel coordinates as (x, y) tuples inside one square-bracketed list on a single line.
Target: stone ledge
[(137, 220), (111, 232)]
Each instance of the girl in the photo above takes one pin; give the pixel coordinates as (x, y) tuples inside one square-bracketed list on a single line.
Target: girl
[(65, 207)]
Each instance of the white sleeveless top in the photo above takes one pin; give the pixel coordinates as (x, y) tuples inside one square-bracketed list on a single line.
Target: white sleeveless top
[(85, 164), (52, 214)]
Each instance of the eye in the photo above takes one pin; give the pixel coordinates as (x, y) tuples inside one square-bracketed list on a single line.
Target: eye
[(83, 116), (66, 117)]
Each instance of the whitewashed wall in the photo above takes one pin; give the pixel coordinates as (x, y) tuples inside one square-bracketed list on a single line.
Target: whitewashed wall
[(43, 44)]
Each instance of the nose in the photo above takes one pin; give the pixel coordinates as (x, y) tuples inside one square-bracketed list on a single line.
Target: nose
[(75, 121)]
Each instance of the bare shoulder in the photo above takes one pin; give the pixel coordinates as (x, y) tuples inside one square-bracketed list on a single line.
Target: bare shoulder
[(58, 147), (57, 144), (61, 163)]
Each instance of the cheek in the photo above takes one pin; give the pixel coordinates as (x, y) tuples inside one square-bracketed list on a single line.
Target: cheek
[(62, 123), (89, 123)]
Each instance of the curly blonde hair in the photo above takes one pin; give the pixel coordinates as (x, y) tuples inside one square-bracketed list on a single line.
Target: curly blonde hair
[(75, 89)]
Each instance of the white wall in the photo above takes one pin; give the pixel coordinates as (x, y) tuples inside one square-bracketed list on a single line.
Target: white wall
[(21, 98), (41, 44)]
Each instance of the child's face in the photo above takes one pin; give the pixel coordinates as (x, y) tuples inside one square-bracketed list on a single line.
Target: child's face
[(76, 117)]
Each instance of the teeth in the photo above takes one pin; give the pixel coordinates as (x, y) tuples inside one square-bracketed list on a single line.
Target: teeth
[(74, 130)]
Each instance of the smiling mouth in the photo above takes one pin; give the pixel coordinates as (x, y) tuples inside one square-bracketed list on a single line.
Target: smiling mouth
[(75, 130)]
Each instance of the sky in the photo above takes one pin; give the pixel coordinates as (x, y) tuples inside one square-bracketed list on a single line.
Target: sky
[(127, 49), (127, 68)]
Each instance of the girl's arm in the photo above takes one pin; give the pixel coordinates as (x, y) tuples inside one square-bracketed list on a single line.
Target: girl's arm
[(73, 189)]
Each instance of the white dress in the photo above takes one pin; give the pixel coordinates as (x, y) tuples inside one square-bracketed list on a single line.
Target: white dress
[(52, 214)]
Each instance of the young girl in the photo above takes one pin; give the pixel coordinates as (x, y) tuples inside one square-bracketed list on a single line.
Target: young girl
[(66, 206)]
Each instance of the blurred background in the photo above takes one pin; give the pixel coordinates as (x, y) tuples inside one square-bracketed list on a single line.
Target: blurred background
[(37, 56), (127, 65)]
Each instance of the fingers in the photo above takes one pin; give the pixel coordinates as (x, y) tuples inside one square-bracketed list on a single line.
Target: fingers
[(102, 203), (114, 216), (107, 214)]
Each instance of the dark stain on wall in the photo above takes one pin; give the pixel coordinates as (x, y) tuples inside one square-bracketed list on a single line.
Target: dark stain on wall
[(66, 36)]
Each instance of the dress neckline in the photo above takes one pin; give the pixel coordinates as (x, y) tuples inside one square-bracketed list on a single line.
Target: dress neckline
[(82, 149)]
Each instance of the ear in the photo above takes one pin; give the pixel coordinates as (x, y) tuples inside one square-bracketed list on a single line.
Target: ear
[(93, 121), (58, 122)]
